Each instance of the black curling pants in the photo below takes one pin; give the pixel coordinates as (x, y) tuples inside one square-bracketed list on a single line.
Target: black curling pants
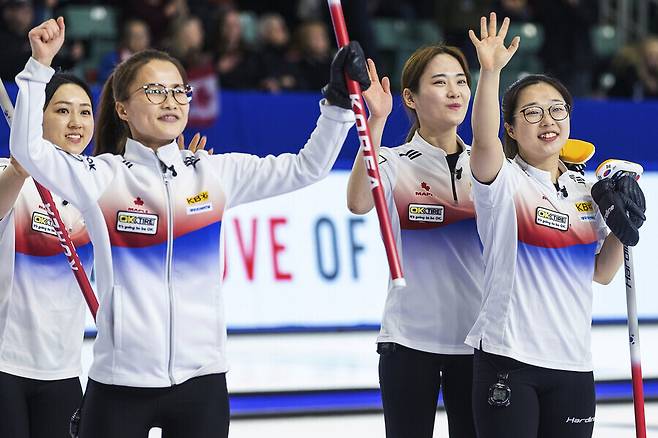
[(32, 408), (198, 407), (544, 403), (410, 381)]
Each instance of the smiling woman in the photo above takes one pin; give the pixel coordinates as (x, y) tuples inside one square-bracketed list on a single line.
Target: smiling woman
[(533, 364), (161, 328), (67, 119), (42, 316)]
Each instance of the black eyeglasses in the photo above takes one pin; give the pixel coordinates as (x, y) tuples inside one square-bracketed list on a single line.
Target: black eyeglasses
[(535, 114), (157, 93)]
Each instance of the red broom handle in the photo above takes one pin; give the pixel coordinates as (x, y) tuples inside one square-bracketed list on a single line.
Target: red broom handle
[(369, 156)]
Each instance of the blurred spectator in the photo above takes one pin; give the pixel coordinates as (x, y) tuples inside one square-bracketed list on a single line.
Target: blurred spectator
[(288, 9), (17, 17), (187, 43), (314, 51), (636, 71), (357, 14), (278, 69), (456, 17), (567, 53), (157, 14), (135, 37), (406, 9), (236, 63), (518, 11)]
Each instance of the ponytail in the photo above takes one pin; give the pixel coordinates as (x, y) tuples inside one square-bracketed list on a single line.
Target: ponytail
[(111, 132)]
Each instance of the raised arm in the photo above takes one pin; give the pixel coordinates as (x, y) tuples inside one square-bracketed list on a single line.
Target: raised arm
[(248, 178), (11, 183), (487, 154), (80, 180), (380, 104)]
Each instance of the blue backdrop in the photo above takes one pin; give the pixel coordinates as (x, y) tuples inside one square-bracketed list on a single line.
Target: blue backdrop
[(264, 124)]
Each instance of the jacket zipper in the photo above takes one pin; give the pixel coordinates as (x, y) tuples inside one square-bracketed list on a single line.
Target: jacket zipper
[(454, 188), (169, 257)]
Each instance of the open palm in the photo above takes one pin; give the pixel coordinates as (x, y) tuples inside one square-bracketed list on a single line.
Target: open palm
[(491, 50), (378, 96)]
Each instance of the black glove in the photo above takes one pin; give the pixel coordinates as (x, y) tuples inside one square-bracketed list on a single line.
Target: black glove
[(351, 60), (617, 208), (628, 186)]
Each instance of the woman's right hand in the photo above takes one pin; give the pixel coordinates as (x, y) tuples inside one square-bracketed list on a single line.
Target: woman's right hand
[(46, 39), (491, 50), (378, 96)]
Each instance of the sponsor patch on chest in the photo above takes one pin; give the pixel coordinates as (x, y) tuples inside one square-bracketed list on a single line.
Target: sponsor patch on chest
[(552, 219), (140, 223), (426, 213), (585, 211), (43, 224), (199, 203)]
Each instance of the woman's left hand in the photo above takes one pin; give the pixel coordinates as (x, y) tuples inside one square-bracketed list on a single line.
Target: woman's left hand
[(198, 142)]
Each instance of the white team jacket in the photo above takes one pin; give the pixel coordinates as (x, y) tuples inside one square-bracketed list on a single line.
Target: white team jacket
[(154, 220), (433, 220), (42, 312)]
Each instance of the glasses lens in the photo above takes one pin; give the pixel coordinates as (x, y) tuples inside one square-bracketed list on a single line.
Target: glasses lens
[(533, 114), (183, 95), (559, 111), (155, 93)]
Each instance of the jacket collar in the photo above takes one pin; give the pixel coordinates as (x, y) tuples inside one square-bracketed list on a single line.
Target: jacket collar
[(418, 141), (168, 154)]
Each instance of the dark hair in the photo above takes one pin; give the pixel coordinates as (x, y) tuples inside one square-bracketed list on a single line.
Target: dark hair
[(111, 131), (414, 68), (62, 78), (511, 98)]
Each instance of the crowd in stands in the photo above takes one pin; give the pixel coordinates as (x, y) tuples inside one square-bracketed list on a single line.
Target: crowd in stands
[(288, 45)]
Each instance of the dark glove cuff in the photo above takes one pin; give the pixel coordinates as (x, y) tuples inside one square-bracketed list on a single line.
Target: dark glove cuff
[(335, 97)]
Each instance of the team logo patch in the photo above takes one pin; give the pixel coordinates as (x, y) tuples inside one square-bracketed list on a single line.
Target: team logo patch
[(140, 223), (426, 213), (552, 219), (43, 224), (199, 203)]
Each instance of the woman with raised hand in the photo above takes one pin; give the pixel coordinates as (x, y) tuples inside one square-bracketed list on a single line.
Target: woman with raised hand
[(544, 242), (427, 183), (154, 213), (42, 311)]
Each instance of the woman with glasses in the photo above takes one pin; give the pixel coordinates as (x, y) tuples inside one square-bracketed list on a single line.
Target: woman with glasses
[(42, 311), (544, 242), (154, 214)]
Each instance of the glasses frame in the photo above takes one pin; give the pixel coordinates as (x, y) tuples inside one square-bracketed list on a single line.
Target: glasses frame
[(189, 90), (543, 112)]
